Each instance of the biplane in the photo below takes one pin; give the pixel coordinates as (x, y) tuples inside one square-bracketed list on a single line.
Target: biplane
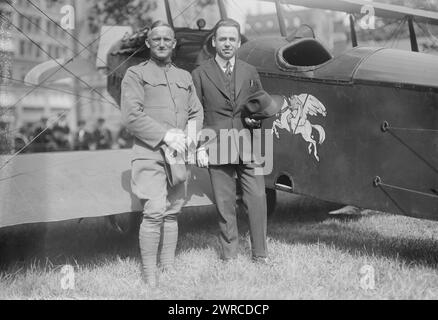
[(357, 129)]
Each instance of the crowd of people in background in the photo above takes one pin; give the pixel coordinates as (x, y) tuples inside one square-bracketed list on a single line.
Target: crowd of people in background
[(59, 137)]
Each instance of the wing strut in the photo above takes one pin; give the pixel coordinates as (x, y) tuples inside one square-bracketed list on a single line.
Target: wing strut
[(280, 16), (222, 9), (353, 32), (412, 35), (168, 13)]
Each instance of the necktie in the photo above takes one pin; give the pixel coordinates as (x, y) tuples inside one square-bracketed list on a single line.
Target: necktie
[(228, 71)]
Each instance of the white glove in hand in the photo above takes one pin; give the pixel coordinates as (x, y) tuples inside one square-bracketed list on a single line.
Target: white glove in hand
[(176, 139), (202, 158), (252, 123)]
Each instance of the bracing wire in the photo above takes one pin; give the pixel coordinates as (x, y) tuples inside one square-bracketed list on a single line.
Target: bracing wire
[(50, 88), (62, 114), (395, 31), (61, 66), (59, 26), (40, 28)]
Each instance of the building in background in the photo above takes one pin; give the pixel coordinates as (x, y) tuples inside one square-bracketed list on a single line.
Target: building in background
[(100, 105), (21, 104)]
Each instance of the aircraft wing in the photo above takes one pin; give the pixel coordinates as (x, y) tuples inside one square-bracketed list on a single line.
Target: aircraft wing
[(56, 186), (382, 10), (51, 71)]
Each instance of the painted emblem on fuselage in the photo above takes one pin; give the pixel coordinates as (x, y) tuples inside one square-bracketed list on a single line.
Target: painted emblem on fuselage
[(293, 118)]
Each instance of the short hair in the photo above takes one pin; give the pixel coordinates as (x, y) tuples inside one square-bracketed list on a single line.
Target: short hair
[(160, 23), (226, 23)]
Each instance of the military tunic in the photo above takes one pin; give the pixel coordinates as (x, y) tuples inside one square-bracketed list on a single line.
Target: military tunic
[(154, 100)]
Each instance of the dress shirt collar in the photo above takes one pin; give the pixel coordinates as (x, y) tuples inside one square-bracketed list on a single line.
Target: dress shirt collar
[(223, 63)]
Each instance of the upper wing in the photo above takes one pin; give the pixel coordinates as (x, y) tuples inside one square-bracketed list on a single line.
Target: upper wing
[(380, 9)]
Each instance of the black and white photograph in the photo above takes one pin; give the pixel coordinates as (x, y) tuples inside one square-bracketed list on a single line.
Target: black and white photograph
[(219, 155)]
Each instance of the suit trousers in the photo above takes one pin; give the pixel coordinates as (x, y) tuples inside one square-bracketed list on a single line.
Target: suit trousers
[(223, 179)]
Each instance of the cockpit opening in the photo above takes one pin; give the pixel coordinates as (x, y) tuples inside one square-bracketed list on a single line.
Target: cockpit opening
[(303, 53)]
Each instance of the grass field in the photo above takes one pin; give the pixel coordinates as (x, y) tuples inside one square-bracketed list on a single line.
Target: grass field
[(313, 255)]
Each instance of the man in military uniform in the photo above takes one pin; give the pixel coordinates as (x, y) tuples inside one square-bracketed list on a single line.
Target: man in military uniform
[(158, 101)]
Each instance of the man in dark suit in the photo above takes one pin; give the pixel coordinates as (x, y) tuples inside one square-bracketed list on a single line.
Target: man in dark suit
[(223, 84)]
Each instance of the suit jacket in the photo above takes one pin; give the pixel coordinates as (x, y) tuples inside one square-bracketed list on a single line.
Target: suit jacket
[(224, 112), (154, 101)]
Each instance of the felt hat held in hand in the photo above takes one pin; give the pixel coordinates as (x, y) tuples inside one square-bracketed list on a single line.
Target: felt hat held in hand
[(174, 166), (260, 105)]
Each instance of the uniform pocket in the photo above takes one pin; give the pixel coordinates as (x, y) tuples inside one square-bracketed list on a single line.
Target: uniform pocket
[(183, 85), (156, 94), (183, 89)]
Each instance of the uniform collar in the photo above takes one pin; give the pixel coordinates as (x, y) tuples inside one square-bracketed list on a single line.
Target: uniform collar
[(166, 66)]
